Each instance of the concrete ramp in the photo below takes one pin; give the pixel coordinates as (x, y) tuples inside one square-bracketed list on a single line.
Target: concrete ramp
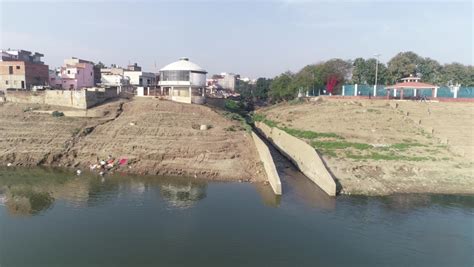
[(302, 155), (268, 164)]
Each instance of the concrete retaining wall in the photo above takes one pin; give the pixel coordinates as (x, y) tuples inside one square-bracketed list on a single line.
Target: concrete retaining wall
[(302, 155), (268, 164), (81, 99)]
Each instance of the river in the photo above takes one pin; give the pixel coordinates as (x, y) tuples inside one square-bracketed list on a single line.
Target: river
[(54, 218)]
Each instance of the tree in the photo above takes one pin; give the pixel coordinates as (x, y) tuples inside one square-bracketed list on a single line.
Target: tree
[(262, 86), (99, 65), (339, 70), (244, 89), (371, 65), (429, 70), (305, 78), (282, 87), (359, 71), (402, 65), (455, 73)]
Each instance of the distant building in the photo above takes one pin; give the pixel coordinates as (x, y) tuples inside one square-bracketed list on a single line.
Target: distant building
[(140, 78), (134, 67), (21, 69), (97, 75), (114, 80), (245, 79), (184, 81), (112, 70), (55, 78), (77, 73), (227, 81)]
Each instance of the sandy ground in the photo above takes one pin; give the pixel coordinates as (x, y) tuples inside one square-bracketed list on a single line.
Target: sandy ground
[(157, 137), (436, 155)]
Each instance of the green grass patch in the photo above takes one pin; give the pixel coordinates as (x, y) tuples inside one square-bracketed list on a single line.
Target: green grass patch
[(57, 114), (294, 132), (391, 156), (262, 118), (240, 118), (371, 110), (339, 145), (309, 134)]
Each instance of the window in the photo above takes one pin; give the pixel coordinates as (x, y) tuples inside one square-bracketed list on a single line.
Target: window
[(91, 73), (68, 72), (175, 75), (6, 82), (10, 69), (77, 71), (17, 67)]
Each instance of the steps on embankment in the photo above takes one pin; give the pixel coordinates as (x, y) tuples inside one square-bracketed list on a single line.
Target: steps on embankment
[(302, 155)]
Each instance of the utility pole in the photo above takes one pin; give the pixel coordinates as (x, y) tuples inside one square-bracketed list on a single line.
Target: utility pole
[(376, 72)]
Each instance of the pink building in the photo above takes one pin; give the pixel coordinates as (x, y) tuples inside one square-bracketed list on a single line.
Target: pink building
[(77, 73)]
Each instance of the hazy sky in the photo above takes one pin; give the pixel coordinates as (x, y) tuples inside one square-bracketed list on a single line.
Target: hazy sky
[(253, 38)]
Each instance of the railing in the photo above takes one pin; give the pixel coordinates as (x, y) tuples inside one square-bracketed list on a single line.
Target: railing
[(442, 92)]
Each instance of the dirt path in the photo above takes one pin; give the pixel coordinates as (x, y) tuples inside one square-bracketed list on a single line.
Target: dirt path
[(376, 147), (157, 137)]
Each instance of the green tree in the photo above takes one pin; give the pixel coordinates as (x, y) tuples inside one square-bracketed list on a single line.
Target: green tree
[(371, 64), (245, 89), (338, 68), (282, 87), (402, 65), (359, 71), (429, 70), (262, 86), (455, 73)]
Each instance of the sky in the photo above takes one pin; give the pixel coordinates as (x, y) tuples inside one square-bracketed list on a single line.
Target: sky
[(252, 38)]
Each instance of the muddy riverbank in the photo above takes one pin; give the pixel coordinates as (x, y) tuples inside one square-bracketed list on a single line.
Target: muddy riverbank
[(155, 137), (377, 147)]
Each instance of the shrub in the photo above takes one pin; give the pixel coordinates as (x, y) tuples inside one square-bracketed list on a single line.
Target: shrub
[(57, 114)]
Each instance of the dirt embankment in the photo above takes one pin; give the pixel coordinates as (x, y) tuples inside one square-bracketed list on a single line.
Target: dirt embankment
[(157, 137), (379, 147)]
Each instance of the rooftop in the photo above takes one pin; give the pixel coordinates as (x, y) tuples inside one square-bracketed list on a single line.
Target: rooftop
[(183, 64)]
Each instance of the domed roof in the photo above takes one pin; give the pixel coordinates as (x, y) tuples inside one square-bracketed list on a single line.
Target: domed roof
[(183, 64)]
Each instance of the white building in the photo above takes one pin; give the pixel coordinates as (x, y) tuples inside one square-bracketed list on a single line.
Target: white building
[(184, 81), (114, 80), (227, 81), (140, 78)]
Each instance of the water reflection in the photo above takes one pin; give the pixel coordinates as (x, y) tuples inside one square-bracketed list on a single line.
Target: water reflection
[(26, 192), (27, 202), (298, 186), (268, 197), (183, 195)]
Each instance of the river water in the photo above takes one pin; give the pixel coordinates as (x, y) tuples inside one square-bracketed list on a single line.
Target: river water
[(54, 218)]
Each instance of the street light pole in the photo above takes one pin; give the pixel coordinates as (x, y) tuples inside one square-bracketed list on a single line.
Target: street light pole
[(376, 72)]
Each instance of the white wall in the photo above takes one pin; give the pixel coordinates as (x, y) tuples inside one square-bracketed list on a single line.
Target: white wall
[(135, 76), (198, 79), (113, 79)]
